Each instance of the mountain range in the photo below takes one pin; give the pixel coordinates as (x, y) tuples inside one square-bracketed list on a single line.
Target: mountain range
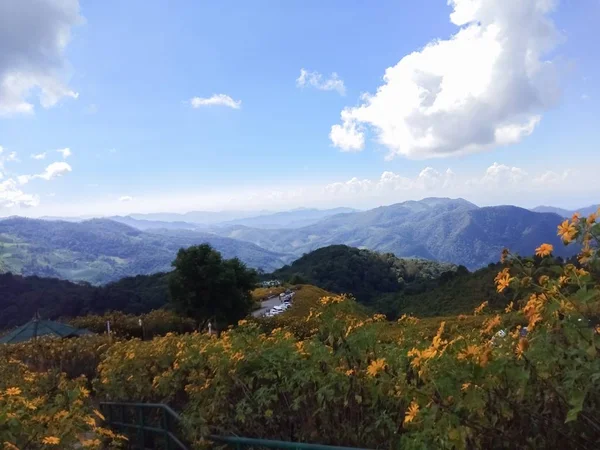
[(585, 211), (449, 230), (101, 250), (441, 229)]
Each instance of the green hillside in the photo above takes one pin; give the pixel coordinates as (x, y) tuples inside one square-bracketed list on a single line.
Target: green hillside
[(99, 251), (363, 273)]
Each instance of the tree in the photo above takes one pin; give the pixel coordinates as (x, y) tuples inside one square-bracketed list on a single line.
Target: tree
[(205, 286)]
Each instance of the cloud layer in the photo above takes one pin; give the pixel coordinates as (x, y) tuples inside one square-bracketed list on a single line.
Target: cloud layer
[(485, 86), (33, 37), (216, 100), (316, 80)]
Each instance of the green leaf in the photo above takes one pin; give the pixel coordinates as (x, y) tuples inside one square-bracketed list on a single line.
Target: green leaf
[(576, 402)]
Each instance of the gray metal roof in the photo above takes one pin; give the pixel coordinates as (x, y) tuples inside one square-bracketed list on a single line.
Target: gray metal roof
[(37, 328)]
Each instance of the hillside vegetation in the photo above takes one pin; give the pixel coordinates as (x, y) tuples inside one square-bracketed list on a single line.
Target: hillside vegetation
[(441, 229), (363, 273), (99, 251)]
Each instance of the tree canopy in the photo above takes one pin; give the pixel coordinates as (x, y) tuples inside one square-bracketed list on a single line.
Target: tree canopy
[(204, 286)]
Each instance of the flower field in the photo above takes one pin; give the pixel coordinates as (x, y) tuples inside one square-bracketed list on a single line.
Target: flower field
[(525, 377)]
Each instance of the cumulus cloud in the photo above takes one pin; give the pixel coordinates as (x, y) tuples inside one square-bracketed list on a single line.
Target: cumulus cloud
[(54, 170), (496, 180), (216, 100), (500, 174), (12, 156), (39, 156), (316, 80), (65, 152), (33, 38), (11, 195), (485, 86), (125, 198)]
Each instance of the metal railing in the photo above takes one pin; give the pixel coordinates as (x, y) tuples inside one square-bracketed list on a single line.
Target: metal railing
[(156, 424)]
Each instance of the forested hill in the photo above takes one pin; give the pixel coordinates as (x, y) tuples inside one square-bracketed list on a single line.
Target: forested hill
[(21, 297), (101, 250), (440, 229), (363, 273)]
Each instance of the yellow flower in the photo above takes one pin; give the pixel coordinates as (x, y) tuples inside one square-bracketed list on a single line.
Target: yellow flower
[(567, 231), (9, 446), (509, 307), (491, 324), (51, 440), (242, 322), (84, 392), (91, 443), (300, 348), (376, 366), (576, 217), (544, 250), (465, 386), (379, 318), (412, 412), (502, 280), (592, 218), (480, 308), (522, 346), (563, 280), (13, 391), (544, 279), (100, 416), (349, 372)]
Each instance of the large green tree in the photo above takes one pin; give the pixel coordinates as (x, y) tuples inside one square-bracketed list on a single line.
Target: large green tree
[(206, 287)]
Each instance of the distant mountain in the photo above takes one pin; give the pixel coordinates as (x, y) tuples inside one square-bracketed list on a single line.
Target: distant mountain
[(199, 217), (585, 211), (296, 218), (442, 229), (143, 225), (101, 250), (363, 273)]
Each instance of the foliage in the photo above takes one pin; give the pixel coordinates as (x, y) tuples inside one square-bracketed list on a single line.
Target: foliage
[(155, 323), (365, 274), (203, 285), (40, 410), (74, 357), (22, 297), (455, 292)]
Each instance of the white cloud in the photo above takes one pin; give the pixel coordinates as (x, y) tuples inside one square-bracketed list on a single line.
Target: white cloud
[(585, 97), (550, 178), (485, 86), (39, 156), (33, 38), (316, 80), (500, 174), (65, 152), (125, 198), (216, 100), (11, 196), (112, 150), (54, 170), (12, 156)]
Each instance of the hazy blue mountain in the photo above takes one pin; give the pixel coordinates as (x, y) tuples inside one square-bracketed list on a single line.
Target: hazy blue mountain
[(585, 211), (102, 250), (296, 218), (143, 225), (199, 217), (450, 230)]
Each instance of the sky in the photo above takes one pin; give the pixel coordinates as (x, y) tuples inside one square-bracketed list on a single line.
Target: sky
[(117, 107)]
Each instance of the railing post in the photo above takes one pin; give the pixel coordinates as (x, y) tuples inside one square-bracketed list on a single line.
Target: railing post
[(165, 420), (141, 434)]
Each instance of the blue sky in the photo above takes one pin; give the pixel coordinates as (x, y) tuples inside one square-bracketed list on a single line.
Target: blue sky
[(118, 94)]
